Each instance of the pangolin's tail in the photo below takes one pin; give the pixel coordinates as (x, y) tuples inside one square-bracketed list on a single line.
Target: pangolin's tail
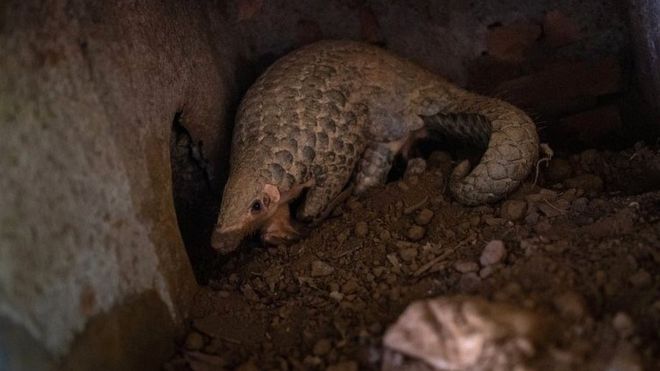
[(508, 134)]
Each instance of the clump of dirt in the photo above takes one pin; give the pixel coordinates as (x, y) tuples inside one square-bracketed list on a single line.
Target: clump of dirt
[(582, 246)]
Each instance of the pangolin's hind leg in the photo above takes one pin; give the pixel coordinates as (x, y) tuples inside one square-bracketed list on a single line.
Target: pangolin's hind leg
[(371, 170), (375, 164)]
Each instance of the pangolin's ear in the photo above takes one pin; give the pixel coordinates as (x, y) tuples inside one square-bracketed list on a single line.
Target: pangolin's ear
[(272, 193)]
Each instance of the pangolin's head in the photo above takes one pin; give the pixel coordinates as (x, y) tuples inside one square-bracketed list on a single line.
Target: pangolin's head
[(247, 203)]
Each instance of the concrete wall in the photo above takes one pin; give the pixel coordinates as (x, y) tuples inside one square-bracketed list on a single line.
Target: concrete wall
[(88, 94), (645, 29)]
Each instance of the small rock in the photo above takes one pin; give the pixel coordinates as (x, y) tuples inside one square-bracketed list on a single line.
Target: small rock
[(350, 286), (343, 236), (570, 195), (469, 282), (415, 166), (385, 235), (588, 158), (361, 229), (542, 227), (343, 366), (194, 341), (542, 195), (391, 279), (336, 295), (486, 272), (532, 218), (322, 347), (320, 268), (558, 170), (549, 210), (354, 204), (640, 279), (623, 325), (513, 210), (570, 305), (312, 362), (408, 254), (249, 292), (493, 253), (376, 328), (424, 217), (466, 266), (416, 233), (491, 220), (248, 366), (587, 182), (580, 205)]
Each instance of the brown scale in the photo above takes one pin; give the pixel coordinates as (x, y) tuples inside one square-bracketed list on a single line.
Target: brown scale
[(329, 118)]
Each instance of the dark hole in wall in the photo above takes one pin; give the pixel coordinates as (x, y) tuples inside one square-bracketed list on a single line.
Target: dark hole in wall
[(197, 184), (196, 200)]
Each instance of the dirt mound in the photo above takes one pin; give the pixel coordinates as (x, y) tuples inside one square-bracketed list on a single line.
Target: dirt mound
[(581, 248)]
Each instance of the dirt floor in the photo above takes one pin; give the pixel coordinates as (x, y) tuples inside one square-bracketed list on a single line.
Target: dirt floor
[(581, 249)]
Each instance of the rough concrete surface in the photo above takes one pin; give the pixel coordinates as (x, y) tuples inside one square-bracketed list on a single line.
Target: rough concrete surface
[(88, 94), (645, 27)]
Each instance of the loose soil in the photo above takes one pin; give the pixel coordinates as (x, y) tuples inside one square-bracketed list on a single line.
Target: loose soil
[(582, 247)]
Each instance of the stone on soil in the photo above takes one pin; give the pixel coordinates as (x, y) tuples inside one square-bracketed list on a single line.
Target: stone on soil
[(194, 341), (320, 268), (513, 210), (623, 324), (424, 217), (570, 305), (322, 347), (640, 279), (493, 253), (344, 366), (558, 170), (361, 229), (416, 233), (408, 254), (586, 182), (466, 266)]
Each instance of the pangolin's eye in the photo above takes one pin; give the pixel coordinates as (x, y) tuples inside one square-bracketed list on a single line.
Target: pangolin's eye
[(256, 206)]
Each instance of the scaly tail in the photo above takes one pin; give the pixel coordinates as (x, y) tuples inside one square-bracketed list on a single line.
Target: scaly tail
[(511, 139)]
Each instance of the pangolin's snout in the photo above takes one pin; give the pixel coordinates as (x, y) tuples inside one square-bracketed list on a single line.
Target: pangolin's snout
[(225, 241)]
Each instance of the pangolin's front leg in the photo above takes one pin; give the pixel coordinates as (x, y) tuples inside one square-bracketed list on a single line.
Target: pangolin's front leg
[(324, 194), (280, 229)]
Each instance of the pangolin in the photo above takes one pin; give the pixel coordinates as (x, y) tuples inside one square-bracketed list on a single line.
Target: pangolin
[(330, 117)]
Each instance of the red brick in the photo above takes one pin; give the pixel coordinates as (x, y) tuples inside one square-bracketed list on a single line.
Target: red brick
[(512, 41), (247, 9), (564, 86), (590, 126), (308, 32), (559, 30), (369, 26)]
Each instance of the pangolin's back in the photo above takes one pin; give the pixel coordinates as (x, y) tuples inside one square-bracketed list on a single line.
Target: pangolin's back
[(307, 113)]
